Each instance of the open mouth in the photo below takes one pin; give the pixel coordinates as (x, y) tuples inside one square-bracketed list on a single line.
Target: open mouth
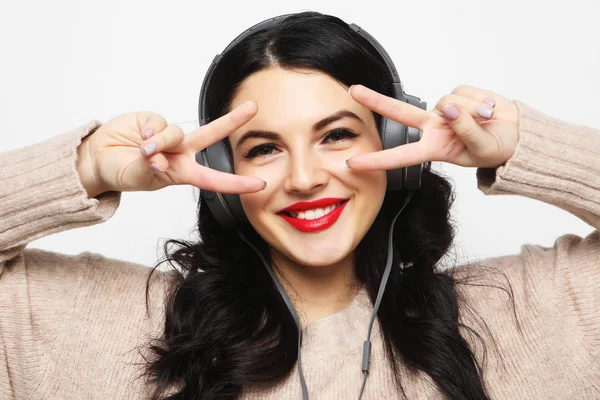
[(314, 219), (314, 213)]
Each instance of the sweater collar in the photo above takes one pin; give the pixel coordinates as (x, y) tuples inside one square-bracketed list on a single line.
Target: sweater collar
[(346, 327)]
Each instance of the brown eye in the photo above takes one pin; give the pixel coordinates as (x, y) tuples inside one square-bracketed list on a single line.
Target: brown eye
[(337, 135), (261, 151)]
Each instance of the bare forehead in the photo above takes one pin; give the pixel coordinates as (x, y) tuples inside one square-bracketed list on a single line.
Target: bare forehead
[(280, 85), (298, 97)]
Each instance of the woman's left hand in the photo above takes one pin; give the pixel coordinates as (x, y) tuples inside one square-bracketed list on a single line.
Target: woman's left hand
[(457, 130)]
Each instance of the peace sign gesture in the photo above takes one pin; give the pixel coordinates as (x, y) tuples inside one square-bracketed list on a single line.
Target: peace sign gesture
[(471, 127), (139, 151)]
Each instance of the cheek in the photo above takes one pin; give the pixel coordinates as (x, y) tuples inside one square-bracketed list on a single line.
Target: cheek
[(371, 184), (253, 204), (260, 204), (372, 187), (365, 182), (272, 172)]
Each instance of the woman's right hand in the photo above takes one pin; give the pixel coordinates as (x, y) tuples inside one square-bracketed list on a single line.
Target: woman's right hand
[(114, 158)]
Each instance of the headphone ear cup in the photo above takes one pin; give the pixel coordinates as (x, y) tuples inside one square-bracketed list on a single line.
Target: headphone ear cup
[(393, 134), (226, 208), (413, 172)]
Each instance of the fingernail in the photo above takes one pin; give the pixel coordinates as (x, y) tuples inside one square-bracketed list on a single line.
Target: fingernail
[(451, 112), (149, 149), (347, 165), (485, 112), (157, 168), (489, 101), (264, 187), (350, 88), (149, 133)]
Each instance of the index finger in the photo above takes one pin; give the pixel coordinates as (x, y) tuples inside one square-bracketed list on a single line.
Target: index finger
[(220, 128), (396, 157), (222, 182), (399, 111)]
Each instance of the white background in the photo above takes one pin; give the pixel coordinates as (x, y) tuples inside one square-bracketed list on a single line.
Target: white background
[(63, 63)]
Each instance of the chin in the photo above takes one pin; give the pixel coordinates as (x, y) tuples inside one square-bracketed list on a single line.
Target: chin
[(318, 253)]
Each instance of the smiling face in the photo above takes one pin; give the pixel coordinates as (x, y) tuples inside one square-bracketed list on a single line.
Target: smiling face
[(306, 128)]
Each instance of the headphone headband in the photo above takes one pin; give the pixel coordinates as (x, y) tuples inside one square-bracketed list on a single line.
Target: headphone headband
[(204, 119)]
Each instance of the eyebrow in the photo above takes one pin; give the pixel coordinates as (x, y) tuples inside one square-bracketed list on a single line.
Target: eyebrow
[(316, 127)]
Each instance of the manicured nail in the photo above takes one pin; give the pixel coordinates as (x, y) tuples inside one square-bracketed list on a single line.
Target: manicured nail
[(157, 168), (451, 112), (149, 149), (149, 133), (485, 112), (489, 101)]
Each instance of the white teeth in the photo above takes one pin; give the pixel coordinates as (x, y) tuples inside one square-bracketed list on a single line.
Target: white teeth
[(314, 213)]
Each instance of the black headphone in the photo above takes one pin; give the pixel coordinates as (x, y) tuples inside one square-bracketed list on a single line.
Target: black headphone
[(227, 208)]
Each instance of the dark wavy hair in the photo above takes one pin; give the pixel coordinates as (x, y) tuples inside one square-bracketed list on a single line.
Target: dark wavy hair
[(226, 324)]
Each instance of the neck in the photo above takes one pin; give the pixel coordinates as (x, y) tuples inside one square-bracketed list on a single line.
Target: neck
[(317, 291)]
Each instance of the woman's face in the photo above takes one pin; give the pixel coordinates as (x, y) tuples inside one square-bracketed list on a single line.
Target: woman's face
[(306, 127)]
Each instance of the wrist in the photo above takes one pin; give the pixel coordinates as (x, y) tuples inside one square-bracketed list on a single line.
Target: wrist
[(86, 170)]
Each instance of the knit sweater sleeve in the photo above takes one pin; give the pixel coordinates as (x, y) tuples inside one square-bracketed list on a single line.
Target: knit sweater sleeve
[(558, 163), (41, 193), (555, 162), (70, 325)]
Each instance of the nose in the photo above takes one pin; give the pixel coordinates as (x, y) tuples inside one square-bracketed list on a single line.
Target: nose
[(306, 173)]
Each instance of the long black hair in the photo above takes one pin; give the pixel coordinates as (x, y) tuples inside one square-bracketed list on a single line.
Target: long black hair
[(226, 324)]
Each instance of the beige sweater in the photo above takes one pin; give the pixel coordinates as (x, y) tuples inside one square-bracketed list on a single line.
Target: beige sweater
[(70, 326)]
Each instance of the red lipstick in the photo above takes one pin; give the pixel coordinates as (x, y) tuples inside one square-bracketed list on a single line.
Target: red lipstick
[(317, 224)]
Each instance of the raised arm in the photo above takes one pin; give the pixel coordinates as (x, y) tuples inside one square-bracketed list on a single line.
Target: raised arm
[(46, 188), (555, 161), (41, 192)]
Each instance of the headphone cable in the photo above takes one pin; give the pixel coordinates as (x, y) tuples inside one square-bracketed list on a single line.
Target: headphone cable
[(382, 285)]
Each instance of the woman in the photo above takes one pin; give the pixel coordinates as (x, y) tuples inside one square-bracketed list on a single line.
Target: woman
[(519, 326)]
